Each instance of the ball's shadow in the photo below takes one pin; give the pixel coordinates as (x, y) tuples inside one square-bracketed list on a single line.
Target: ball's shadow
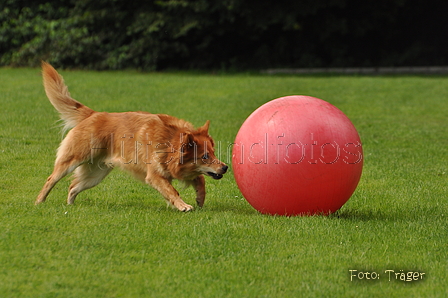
[(388, 215)]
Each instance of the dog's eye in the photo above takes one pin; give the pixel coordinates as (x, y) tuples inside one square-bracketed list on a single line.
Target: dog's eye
[(205, 156)]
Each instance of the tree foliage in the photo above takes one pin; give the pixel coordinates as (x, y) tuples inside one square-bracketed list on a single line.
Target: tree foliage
[(149, 35)]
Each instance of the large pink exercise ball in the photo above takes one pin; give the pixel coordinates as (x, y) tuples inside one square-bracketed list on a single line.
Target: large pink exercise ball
[(297, 155)]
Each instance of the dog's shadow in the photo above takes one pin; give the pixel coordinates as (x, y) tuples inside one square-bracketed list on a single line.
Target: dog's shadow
[(348, 214), (246, 211)]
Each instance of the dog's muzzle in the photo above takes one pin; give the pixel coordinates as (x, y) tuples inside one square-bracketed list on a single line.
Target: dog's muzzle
[(217, 176)]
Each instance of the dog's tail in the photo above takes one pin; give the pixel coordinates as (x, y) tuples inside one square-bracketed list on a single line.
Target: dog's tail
[(71, 111)]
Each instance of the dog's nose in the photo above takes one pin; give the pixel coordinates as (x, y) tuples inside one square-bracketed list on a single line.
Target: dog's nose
[(224, 168)]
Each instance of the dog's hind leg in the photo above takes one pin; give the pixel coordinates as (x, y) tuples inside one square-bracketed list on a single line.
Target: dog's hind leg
[(61, 169), (70, 155), (87, 176)]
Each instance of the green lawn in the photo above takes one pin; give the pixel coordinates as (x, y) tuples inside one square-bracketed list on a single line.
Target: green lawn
[(120, 239)]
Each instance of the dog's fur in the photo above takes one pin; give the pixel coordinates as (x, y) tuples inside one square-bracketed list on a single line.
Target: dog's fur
[(155, 148)]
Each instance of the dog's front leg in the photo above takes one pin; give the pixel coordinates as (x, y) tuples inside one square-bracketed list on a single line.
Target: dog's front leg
[(199, 186), (170, 194)]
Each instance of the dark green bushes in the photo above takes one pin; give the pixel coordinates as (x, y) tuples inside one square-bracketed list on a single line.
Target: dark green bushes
[(240, 34)]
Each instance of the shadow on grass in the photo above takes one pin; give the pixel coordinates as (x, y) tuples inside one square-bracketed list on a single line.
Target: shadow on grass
[(405, 214), (363, 215), (237, 210), (158, 205)]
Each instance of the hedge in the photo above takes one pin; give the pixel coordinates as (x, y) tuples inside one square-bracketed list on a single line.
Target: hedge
[(223, 34)]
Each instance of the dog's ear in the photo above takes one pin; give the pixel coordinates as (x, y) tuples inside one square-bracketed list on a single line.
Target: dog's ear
[(204, 128), (187, 138)]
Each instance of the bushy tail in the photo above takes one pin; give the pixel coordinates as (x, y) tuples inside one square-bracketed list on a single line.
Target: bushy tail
[(71, 111)]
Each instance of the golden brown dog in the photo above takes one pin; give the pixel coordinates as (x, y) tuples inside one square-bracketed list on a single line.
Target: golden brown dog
[(155, 148)]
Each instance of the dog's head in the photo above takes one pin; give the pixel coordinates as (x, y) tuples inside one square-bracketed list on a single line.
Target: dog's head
[(198, 151)]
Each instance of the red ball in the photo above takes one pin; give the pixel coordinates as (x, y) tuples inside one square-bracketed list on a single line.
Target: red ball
[(297, 155)]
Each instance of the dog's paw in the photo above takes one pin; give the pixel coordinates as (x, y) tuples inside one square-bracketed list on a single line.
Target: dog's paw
[(184, 207), (200, 201)]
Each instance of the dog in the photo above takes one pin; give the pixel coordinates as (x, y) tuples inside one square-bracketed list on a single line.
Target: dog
[(154, 148)]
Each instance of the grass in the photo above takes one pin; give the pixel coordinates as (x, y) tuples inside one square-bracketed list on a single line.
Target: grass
[(120, 240)]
